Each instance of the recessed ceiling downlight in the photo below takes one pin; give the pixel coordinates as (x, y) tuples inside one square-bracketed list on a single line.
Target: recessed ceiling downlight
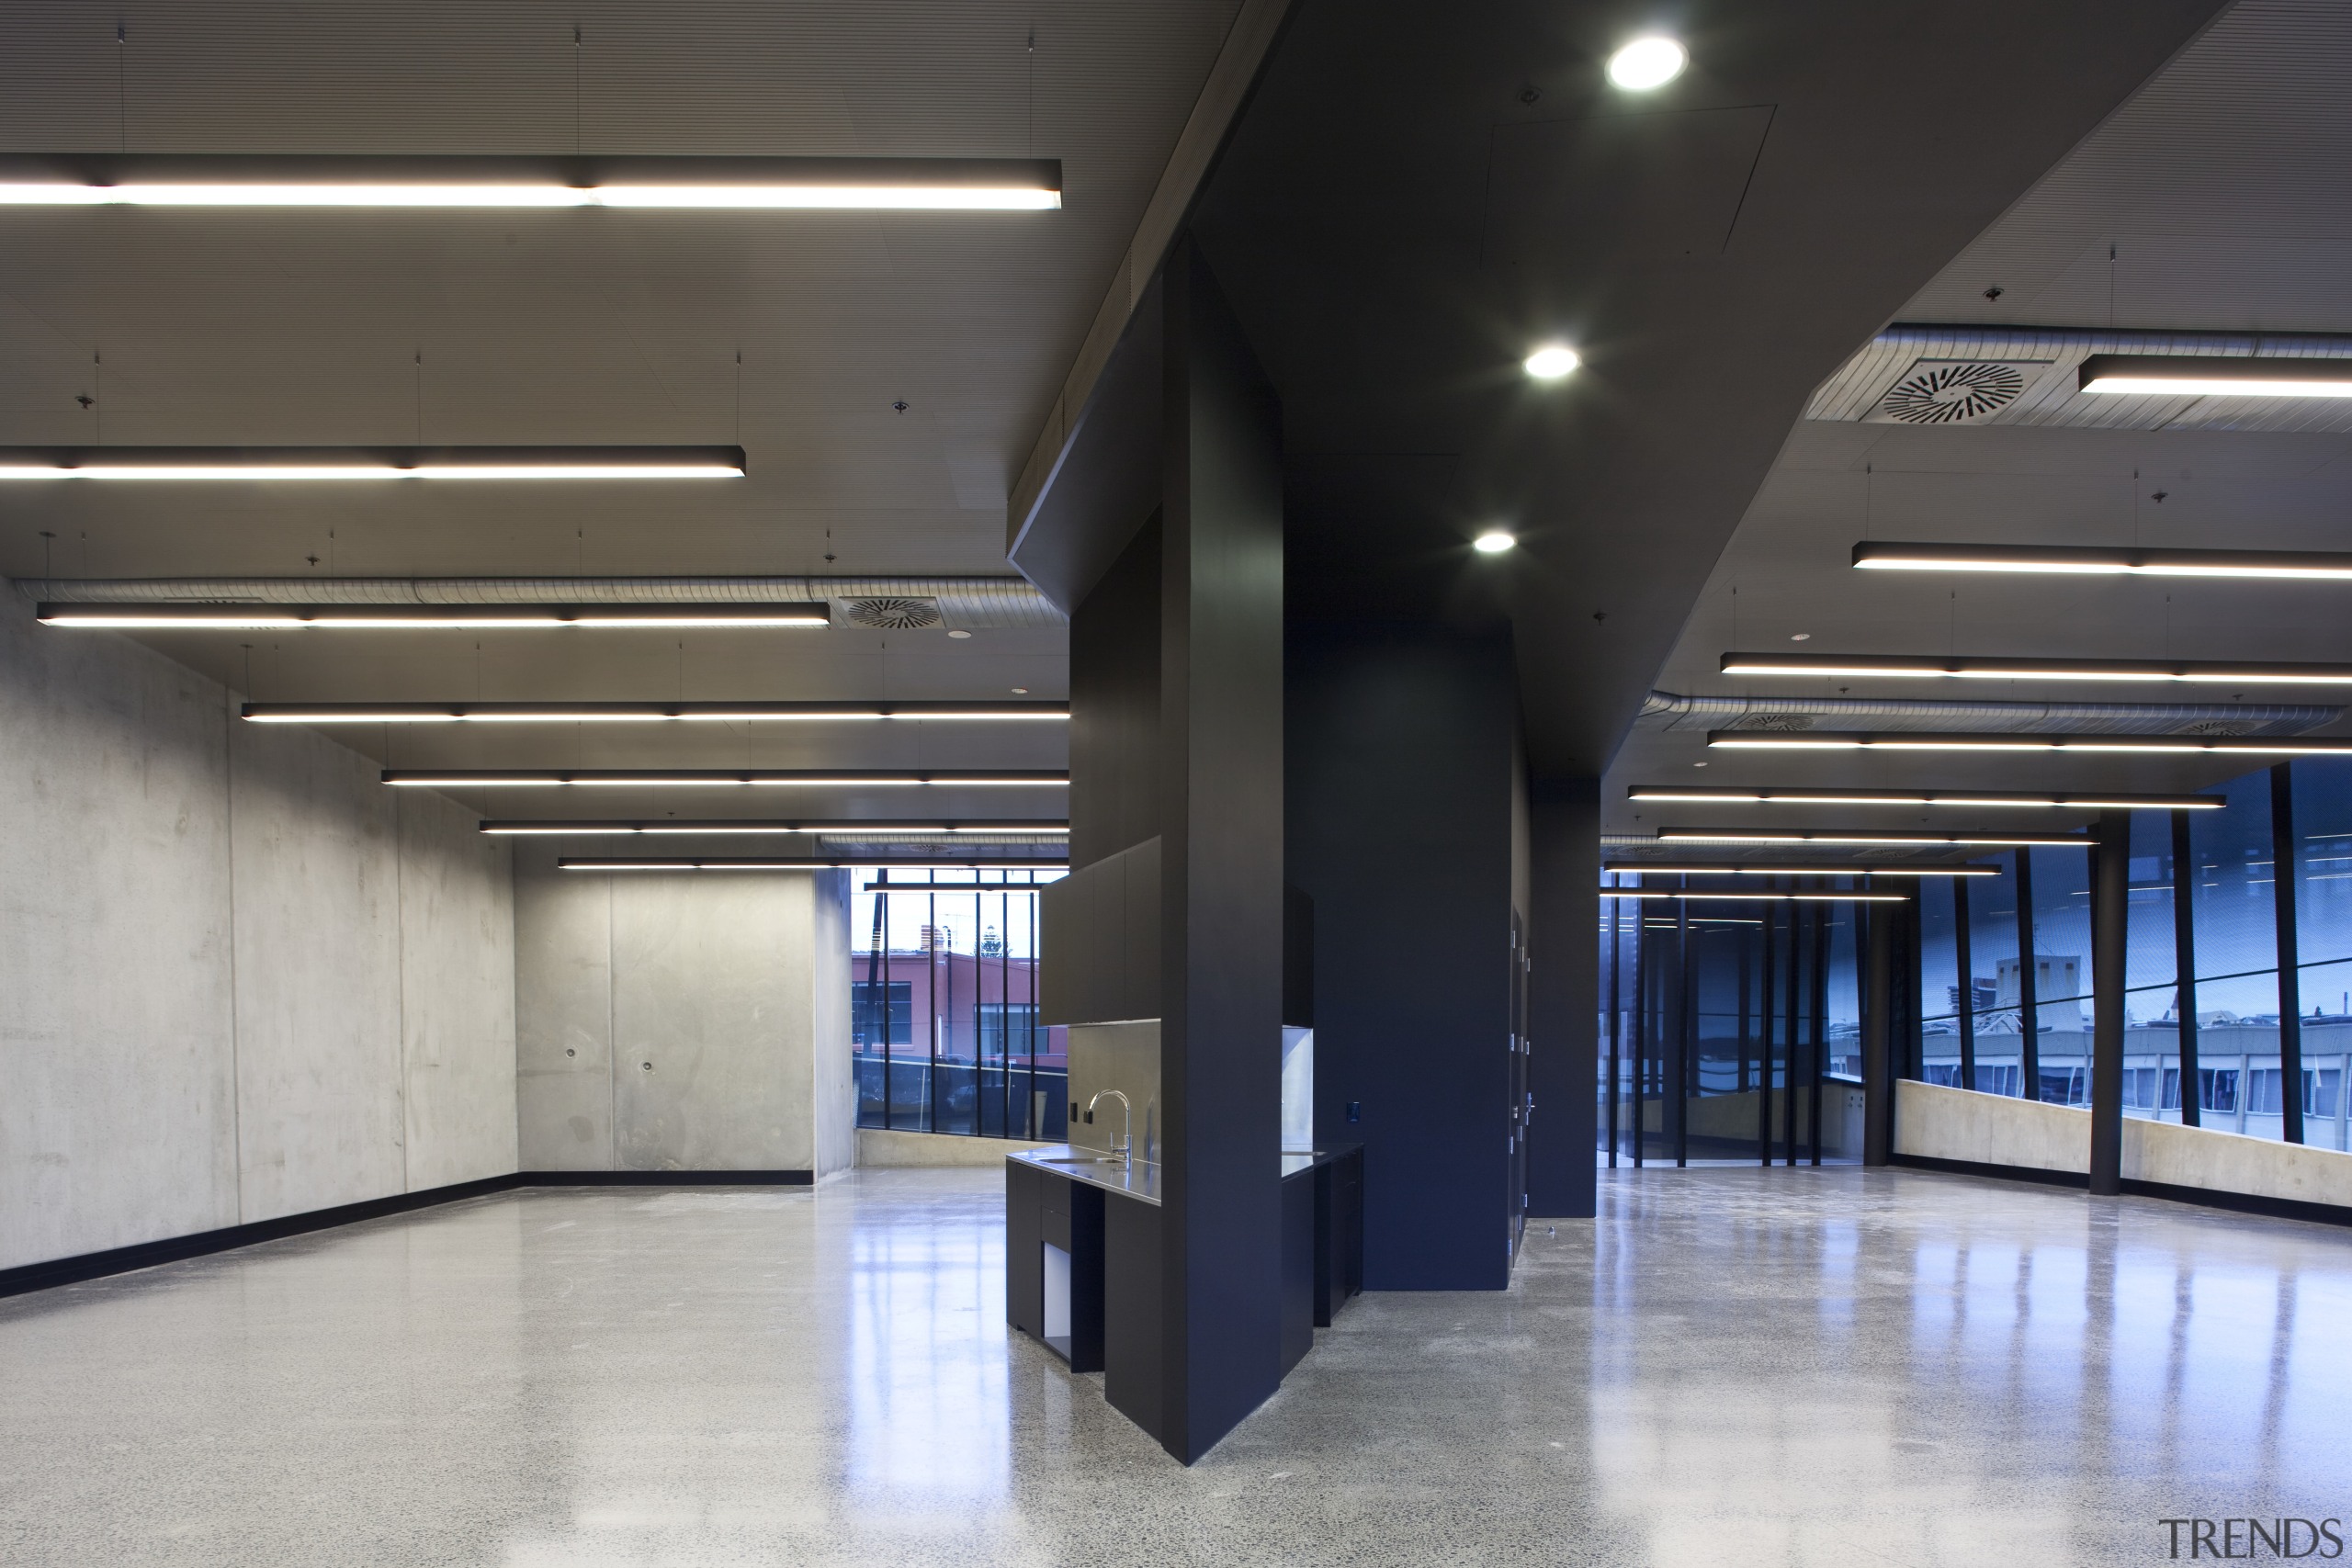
[(1493, 542), (1552, 361), (1647, 62)]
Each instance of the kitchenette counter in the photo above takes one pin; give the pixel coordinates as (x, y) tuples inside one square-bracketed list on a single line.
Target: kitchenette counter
[(1110, 1172)]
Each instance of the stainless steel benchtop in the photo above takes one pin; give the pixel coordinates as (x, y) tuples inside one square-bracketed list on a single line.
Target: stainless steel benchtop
[(1140, 1179)]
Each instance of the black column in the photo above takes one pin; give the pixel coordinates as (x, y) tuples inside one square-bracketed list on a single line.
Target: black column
[(1817, 1044), (2028, 1011), (2184, 967), (2290, 978), (1764, 1044), (1878, 1033), (1564, 1003), (2111, 861), (1220, 805), (1964, 1003), (1686, 1005), (1616, 1018)]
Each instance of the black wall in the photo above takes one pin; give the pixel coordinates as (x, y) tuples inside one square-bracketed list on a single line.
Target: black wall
[(1401, 746), (1114, 706), (1565, 999)]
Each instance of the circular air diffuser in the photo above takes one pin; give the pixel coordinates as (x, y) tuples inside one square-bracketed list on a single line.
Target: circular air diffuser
[(893, 615), (1945, 394)]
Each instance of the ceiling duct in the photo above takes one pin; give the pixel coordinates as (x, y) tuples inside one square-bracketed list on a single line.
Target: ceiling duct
[(1791, 713), (988, 602), (1934, 375)]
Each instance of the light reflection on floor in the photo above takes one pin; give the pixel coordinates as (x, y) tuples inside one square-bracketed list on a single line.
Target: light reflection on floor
[(1805, 1367)]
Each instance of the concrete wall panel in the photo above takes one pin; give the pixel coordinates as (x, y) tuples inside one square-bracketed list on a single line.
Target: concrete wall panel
[(734, 988), (563, 1014), (317, 912), (835, 1133), (118, 1115), (205, 1016), (457, 993)]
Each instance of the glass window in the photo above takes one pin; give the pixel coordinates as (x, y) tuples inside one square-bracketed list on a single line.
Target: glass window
[(944, 1028)]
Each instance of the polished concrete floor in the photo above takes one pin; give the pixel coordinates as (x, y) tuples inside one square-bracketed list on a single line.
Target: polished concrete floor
[(1741, 1366)]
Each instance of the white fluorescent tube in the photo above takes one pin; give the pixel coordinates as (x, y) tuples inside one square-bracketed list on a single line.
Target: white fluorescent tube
[(2180, 745), (1752, 836), (337, 472), (2104, 561), (2001, 668), (718, 197), (1760, 897), (2200, 375), (1952, 797)]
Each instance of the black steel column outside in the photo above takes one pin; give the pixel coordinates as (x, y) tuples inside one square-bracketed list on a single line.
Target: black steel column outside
[(1817, 1047), (2110, 863), (2184, 968), (2291, 987), (1644, 978), (1616, 1021), (1764, 1040), (1686, 997), (1740, 1077), (1964, 1003), (1878, 1033), (1794, 1007), (2028, 1008)]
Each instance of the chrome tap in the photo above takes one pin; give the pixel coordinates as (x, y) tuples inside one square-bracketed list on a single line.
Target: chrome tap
[(1125, 1146)]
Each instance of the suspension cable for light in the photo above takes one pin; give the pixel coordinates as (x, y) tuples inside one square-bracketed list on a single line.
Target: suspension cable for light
[(2093, 560), (843, 828), (1902, 741), (1970, 667), (1777, 797), (667, 778), (2198, 375), (721, 184), (324, 465), (1858, 836), (641, 713), (1799, 868)]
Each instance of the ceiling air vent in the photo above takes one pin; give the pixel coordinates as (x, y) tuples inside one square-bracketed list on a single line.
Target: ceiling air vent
[(1949, 391), (892, 614), (1780, 721), (2218, 727)]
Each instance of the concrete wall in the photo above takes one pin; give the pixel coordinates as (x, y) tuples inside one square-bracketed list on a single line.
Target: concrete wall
[(1986, 1129), (239, 979), (682, 1021), (878, 1149)]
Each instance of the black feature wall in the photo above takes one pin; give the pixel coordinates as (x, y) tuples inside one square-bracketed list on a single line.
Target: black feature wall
[(1565, 999), (1220, 810), (1401, 766), (1114, 706)]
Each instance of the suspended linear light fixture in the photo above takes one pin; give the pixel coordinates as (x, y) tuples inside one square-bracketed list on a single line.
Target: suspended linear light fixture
[(191, 616), (836, 828), (2087, 560), (667, 778), (1759, 897), (1799, 868), (801, 863), (2196, 376), (337, 465), (1856, 836), (1923, 797), (644, 713), (1935, 667), (1903, 741), (739, 184)]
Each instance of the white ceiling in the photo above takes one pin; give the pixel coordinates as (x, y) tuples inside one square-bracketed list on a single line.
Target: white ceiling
[(2225, 190)]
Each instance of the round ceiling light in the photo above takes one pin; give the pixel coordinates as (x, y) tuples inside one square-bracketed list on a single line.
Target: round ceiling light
[(1493, 542), (1552, 361), (1647, 62)]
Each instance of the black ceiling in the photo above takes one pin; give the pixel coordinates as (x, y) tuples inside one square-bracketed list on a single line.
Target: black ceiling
[(1419, 193)]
